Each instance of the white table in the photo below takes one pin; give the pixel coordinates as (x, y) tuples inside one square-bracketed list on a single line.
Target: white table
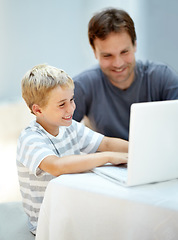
[(88, 207)]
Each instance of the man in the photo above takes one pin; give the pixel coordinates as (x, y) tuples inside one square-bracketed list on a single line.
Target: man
[(105, 93)]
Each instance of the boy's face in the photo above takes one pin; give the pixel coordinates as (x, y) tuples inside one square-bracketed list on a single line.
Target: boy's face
[(58, 111)]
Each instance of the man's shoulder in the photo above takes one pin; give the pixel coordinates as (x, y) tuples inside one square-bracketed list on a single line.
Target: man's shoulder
[(150, 66), (156, 72), (88, 74)]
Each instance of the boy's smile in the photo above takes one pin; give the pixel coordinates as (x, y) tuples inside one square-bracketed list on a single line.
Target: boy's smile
[(58, 111)]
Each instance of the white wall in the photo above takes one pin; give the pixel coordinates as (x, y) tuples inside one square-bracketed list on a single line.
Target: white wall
[(55, 32)]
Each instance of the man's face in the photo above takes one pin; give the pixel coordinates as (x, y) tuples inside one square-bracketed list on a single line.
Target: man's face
[(116, 56)]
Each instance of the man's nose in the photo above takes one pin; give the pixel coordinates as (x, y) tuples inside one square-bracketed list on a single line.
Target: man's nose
[(118, 61)]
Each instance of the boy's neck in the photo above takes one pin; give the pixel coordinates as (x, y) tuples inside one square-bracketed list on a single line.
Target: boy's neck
[(51, 130)]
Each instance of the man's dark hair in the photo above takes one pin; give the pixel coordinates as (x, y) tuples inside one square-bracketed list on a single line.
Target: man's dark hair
[(110, 20)]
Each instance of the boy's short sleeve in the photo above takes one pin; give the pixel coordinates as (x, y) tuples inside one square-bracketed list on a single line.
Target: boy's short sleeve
[(88, 139), (32, 148)]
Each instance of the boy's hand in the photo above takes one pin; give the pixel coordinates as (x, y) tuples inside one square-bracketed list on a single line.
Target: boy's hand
[(118, 157)]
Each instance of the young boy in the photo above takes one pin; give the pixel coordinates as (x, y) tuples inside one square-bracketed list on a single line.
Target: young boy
[(51, 145)]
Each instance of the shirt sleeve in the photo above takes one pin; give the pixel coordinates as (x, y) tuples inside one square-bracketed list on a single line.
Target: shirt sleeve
[(32, 148), (170, 88), (164, 83), (84, 92), (80, 102), (88, 139)]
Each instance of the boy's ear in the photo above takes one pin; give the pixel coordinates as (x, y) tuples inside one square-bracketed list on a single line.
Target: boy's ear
[(36, 109)]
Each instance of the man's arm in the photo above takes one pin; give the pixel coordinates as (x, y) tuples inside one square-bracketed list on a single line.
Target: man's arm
[(170, 87), (79, 96)]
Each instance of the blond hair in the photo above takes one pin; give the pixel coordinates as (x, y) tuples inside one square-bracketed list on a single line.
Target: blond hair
[(40, 80)]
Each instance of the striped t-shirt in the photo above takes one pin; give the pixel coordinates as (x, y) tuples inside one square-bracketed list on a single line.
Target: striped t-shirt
[(34, 144)]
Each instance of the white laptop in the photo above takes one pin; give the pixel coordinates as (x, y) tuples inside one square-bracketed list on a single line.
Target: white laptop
[(153, 146)]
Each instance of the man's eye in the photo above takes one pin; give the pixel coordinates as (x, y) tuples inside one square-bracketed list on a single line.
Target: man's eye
[(106, 56), (72, 99), (124, 52)]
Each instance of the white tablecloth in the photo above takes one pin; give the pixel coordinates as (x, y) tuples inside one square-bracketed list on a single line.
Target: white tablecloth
[(88, 207)]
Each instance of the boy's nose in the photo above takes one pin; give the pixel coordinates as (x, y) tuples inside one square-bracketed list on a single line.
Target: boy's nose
[(70, 108)]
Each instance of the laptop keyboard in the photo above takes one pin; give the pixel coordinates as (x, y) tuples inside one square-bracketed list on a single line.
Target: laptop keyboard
[(118, 172)]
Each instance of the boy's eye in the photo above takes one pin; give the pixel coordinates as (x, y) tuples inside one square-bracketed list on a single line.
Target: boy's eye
[(72, 99), (62, 105)]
